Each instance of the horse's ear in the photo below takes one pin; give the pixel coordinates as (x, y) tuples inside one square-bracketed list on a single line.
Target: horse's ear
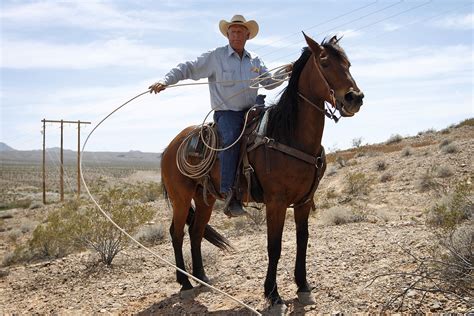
[(315, 47), (334, 40)]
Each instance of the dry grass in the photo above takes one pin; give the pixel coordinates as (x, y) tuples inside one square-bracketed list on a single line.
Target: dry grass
[(339, 215)]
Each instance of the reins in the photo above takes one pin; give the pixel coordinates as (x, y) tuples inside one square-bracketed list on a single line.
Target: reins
[(327, 111)]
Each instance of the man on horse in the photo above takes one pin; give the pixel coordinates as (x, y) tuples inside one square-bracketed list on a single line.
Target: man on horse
[(229, 70)]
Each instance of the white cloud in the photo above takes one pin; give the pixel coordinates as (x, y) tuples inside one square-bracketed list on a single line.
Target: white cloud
[(417, 63), (95, 15), (29, 54), (456, 22)]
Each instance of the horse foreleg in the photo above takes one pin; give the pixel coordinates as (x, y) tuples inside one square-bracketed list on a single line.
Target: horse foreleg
[(304, 290), (180, 212), (275, 221), (196, 233)]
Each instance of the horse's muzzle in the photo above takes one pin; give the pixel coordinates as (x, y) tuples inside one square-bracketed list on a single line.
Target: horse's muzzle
[(353, 100)]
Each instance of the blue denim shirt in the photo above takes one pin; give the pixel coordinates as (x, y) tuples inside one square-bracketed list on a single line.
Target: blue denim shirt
[(224, 64)]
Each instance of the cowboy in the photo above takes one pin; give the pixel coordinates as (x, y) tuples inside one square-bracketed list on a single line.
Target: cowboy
[(229, 70)]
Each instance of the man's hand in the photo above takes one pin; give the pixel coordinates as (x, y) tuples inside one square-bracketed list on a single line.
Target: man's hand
[(157, 87)]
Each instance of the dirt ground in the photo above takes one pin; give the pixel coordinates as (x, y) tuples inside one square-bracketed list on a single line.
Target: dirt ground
[(342, 260)]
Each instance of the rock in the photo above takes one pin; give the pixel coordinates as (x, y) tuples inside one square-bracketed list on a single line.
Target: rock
[(435, 306)]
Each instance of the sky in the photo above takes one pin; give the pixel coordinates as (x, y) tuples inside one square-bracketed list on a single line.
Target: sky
[(80, 60)]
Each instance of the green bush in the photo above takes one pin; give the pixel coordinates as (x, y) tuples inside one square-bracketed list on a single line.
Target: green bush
[(427, 181), (125, 209), (358, 183), (56, 237), (381, 165), (77, 224), (396, 138), (453, 208)]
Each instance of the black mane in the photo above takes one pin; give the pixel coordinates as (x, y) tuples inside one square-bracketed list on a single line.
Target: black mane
[(283, 115), (332, 48)]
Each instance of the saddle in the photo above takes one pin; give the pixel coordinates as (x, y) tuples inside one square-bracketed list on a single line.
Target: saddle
[(253, 137)]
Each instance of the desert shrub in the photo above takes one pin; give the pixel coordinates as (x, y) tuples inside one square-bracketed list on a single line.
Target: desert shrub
[(455, 259), (453, 208), (466, 122), (396, 138), (341, 215), (428, 131), (381, 165), (386, 177), (28, 226), (445, 142), (149, 191), (22, 253), (125, 209), (358, 183), (240, 225), (356, 142), (444, 171), (152, 234), (450, 149), (407, 151), (257, 217), (54, 238), (341, 161), (209, 258), (427, 181), (74, 226)]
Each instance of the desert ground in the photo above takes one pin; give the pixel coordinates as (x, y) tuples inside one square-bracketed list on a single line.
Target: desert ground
[(365, 245)]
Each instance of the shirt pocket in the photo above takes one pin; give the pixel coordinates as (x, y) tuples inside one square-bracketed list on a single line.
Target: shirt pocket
[(228, 78)]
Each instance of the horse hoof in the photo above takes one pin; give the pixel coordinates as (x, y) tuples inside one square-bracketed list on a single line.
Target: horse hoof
[(306, 298), (276, 309), (187, 294)]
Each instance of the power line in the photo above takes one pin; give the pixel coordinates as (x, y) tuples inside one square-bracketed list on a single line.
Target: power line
[(340, 25), (370, 24), (319, 24)]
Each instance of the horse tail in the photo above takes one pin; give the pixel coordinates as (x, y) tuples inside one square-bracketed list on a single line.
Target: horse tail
[(210, 234)]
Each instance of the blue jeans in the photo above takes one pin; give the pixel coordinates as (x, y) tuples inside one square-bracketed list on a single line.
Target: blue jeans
[(229, 127)]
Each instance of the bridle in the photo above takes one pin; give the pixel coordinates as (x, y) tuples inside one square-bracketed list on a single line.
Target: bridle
[(327, 110)]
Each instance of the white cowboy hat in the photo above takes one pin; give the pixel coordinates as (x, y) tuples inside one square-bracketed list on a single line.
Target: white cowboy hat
[(238, 19)]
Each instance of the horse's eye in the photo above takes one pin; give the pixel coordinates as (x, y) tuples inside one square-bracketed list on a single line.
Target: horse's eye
[(324, 62)]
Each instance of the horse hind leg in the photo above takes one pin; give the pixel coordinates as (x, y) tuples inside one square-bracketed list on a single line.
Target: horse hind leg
[(180, 213)]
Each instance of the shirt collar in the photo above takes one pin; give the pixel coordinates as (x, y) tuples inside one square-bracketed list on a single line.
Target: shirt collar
[(231, 51)]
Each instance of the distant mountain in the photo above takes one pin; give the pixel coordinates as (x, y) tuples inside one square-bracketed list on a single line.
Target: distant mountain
[(5, 147), (137, 158)]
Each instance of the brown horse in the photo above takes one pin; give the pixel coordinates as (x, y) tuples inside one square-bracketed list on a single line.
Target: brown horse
[(297, 121)]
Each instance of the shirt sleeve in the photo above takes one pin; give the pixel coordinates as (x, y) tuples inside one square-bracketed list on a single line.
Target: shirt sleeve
[(269, 83), (197, 69)]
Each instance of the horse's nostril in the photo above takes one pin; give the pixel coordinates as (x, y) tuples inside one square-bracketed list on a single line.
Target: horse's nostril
[(349, 97)]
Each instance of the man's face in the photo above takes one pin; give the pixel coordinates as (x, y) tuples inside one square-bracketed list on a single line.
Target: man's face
[(237, 35)]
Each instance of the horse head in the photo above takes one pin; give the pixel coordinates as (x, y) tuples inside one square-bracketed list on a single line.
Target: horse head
[(334, 66)]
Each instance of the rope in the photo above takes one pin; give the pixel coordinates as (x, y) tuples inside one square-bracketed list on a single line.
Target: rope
[(127, 234), (196, 171), (212, 138)]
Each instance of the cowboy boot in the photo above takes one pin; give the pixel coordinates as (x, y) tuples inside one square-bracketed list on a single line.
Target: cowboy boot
[(233, 207)]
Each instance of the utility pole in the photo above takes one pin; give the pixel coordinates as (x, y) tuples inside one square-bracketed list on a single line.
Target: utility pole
[(44, 165), (61, 180)]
